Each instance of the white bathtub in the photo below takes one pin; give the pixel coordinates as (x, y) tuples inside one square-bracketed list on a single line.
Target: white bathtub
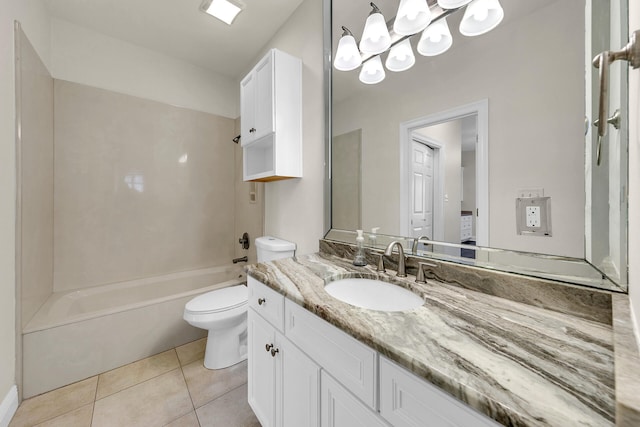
[(81, 333)]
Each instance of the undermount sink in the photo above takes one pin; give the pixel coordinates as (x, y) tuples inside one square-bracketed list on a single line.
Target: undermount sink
[(373, 294)]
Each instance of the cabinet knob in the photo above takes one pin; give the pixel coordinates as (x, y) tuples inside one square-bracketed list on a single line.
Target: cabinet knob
[(261, 301), (252, 130), (268, 347), (274, 351)]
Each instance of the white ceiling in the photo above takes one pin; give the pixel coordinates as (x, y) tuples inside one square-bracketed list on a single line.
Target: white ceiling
[(179, 29)]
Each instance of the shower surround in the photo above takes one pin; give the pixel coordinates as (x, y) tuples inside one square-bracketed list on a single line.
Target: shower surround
[(141, 190)]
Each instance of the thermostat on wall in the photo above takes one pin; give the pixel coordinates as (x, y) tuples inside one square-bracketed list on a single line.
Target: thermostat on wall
[(533, 216)]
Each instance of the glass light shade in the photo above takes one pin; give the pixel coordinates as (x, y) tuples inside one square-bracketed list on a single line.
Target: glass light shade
[(436, 39), (413, 16), (347, 55), (481, 16), (400, 57), (375, 37), (452, 4), (372, 71)]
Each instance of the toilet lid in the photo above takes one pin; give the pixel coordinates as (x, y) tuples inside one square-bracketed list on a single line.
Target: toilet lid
[(219, 300)]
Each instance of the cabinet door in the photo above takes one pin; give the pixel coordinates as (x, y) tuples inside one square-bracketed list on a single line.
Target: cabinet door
[(300, 387), (339, 408), (264, 120), (262, 369), (247, 109)]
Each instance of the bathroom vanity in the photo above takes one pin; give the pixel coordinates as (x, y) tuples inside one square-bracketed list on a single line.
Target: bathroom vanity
[(463, 358)]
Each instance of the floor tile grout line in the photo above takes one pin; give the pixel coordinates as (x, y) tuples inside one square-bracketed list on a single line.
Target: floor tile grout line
[(222, 395), (184, 377), (137, 384), (141, 382)]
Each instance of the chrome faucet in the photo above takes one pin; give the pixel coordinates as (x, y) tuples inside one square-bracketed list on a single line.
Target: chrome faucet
[(414, 248), (389, 250)]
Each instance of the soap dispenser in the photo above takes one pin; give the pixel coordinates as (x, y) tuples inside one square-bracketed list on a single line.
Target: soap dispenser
[(359, 259)]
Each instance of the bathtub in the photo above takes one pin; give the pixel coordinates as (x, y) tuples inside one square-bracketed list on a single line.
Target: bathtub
[(81, 333)]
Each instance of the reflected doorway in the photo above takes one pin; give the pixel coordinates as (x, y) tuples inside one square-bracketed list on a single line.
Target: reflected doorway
[(444, 177)]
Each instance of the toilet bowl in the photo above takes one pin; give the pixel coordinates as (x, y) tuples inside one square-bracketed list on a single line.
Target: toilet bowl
[(223, 313)]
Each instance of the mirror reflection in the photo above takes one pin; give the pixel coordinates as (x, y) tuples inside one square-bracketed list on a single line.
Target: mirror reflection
[(446, 149)]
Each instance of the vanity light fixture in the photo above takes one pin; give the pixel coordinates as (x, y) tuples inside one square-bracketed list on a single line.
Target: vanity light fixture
[(413, 17), (372, 71), (224, 10), (400, 57), (375, 36), (481, 16), (435, 39)]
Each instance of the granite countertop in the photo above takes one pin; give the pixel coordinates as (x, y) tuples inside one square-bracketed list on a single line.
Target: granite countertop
[(519, 364)]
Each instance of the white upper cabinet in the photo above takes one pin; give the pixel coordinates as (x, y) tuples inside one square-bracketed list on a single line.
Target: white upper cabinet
[(271, 118)]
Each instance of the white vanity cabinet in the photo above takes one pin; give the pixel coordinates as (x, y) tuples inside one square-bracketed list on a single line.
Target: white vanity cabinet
[(284, 383), (304, 371), (271, 118)]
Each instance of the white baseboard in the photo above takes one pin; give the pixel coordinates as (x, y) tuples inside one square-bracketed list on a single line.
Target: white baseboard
[(9, 406)]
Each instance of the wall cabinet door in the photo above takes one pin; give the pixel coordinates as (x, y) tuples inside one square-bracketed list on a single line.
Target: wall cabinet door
[(339, 408), (247, 109), (264, 122), (256, 102)]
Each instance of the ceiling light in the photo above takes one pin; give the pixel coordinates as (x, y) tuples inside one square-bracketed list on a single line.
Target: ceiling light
[(224, 10)]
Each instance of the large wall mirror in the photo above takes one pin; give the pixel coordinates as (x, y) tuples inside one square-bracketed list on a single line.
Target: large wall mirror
[(452, 149)]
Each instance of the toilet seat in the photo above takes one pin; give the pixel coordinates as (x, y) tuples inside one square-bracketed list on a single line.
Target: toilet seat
[(217, 301)]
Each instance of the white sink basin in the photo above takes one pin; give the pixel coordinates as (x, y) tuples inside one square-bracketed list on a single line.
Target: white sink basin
[(373, 294)]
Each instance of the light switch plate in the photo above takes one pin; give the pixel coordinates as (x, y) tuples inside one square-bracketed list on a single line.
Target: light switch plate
[(533, 216)]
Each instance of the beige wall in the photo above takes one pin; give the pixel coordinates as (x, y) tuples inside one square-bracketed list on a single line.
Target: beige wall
[(535, 125), (85, 56), (128, 203), (33, 16), (634, 177), (346, 153), (35, 182), (294, 207)]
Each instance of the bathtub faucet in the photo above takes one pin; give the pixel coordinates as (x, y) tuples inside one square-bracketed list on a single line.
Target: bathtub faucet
[(241, 259)]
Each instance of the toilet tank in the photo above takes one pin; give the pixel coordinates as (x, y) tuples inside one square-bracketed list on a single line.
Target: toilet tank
[(270, 248)]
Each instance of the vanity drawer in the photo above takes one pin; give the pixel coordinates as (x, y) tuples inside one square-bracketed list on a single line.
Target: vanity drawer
[(349, 361), (409, 401), (266, 302)]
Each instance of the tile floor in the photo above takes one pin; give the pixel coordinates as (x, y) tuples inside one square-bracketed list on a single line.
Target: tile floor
[(169, 389)]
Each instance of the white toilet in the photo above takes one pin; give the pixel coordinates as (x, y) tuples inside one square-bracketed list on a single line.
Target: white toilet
[(223, 312)]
